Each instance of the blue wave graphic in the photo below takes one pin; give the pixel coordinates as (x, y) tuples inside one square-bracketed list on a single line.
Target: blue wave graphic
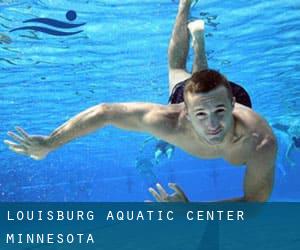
[(54, 23), (47, 30)]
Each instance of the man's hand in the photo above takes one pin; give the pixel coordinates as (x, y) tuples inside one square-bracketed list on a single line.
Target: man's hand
[(33, 146), (163, 196)]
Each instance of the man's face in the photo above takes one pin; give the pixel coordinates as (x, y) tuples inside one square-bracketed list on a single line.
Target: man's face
[(210, 114)]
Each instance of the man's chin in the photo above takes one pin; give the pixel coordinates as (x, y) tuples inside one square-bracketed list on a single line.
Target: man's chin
[(214, 140)]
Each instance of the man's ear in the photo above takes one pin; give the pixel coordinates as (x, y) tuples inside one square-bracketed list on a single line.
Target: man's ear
[(233, 101), (186, 113), (188, 116)]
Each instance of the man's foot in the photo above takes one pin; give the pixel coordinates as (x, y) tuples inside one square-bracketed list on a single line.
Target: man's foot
[(185, 3), (196, 29)]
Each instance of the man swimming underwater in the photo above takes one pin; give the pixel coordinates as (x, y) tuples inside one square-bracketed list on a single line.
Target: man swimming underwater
[(208, 118)]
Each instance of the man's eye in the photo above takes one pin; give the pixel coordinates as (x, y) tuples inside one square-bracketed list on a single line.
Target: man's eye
[(201, 114), (219, 111)]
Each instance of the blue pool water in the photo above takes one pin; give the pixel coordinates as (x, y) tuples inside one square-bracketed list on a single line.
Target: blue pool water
[(121, 56)]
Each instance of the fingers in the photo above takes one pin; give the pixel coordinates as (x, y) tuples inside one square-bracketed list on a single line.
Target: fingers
[(155, 194), (161, 195), (20, 149), (16, 137), (177, 189), (11, 144), (162, 192), (23, 133), (22, 138)]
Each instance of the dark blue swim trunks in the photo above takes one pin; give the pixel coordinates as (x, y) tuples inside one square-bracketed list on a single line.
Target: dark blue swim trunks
[(240, 94)]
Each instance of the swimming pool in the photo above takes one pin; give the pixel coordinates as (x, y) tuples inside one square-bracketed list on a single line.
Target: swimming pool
[(121, 55)]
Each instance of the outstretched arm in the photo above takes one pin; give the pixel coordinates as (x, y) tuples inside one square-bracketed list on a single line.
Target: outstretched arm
[(145, 117), (258, 180)]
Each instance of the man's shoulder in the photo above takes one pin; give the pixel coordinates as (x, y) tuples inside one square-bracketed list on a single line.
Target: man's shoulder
[(249, 119), (252, 124), (255, 133), (165, 122), (167, 115)]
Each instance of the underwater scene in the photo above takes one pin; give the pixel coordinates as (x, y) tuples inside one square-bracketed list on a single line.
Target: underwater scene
[(59, 58)]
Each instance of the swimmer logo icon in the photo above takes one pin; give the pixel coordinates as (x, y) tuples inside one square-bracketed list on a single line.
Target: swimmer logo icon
[(71, 15)]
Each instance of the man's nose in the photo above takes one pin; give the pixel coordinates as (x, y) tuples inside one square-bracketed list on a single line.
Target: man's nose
[(213, 123)]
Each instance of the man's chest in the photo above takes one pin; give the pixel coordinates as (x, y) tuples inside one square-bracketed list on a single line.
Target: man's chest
[(236, 153)]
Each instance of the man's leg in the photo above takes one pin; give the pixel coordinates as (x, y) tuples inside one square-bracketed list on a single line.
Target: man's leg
[(196, 29), (179, 46)]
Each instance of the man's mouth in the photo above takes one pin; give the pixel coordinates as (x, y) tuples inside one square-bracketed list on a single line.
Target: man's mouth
[(215, 131)]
